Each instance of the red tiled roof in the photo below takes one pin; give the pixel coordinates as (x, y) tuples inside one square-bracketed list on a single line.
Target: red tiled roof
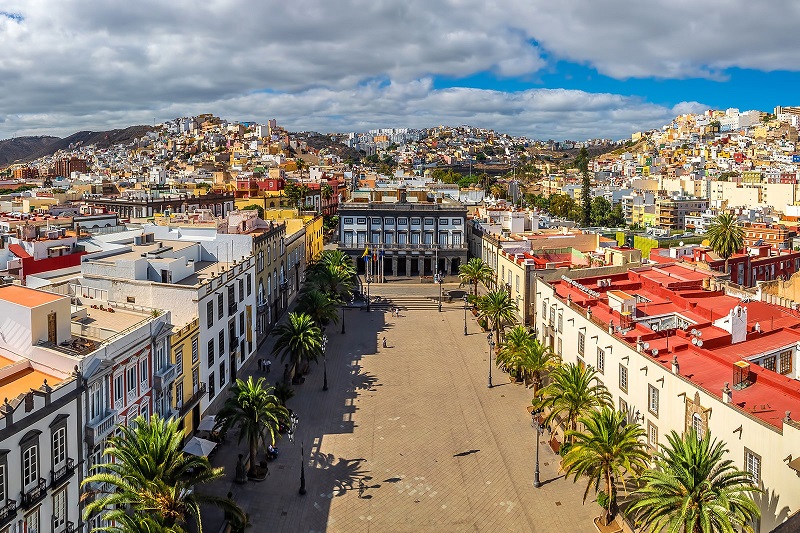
[(19, 251)]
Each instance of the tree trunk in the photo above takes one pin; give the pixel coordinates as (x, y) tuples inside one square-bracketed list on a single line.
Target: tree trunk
[(608, 513), (253, 451)]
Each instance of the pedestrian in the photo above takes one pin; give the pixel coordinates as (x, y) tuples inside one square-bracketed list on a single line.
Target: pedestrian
[(384, 342), (268, 365), (260, 366)]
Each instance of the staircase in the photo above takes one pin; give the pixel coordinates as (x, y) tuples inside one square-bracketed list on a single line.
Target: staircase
[(410, 303)]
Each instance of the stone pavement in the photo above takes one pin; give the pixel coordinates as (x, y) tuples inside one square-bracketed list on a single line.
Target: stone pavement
[(407, 438)]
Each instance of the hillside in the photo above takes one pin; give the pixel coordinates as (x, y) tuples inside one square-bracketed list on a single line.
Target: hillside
[(21, 147)]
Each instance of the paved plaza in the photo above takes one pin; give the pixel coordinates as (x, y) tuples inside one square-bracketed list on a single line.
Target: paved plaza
[(407, 438)]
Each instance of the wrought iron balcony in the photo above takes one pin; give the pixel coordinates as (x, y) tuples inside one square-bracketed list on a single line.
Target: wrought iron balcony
[(193, 400), (34, 495), (8, 512), (64, 527), (99, 429), (59, 476), (163, 377)]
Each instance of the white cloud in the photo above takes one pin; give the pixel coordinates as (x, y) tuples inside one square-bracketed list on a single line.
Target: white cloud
[(71, 64)]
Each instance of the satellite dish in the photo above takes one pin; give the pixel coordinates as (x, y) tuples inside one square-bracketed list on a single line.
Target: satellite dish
[(699, 343), (699, 333), (646, 345), (694, 341), (654, 327), (655, 352), (694, 331)]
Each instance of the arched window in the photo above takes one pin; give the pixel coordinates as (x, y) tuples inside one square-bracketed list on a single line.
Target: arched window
[(261, 298)]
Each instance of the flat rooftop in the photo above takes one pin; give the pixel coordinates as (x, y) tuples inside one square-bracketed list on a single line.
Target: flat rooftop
[(677, 291), (26, 297), (138, 249), (23, 379)]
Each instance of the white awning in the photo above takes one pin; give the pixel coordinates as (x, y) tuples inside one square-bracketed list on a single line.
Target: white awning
[(199, 447)]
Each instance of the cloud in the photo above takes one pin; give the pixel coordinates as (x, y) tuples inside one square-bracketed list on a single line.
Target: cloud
[(71, 64)]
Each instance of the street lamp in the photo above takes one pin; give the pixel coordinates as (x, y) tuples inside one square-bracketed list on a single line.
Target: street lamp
[(491, 351), (465, 314), (324, 363), (439, 278), (539, 430), (302, 490), (369, 280)]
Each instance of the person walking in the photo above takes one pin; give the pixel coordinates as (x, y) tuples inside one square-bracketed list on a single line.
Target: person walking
[(260, 365), (267, 365), (384, 342)]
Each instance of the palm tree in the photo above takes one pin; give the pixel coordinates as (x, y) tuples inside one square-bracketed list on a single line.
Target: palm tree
[(537, 359), (693, 489), (257, 412), (129, 523), (299, 340), (498, 309), (523, 355), (515, 344), (319, 306), (607, 450), (572, 394), (725, 236), (150, 475), (335, 281), (474, 272)]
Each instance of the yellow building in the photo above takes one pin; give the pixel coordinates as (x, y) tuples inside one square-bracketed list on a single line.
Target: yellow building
[(314, 238), (187, 389)]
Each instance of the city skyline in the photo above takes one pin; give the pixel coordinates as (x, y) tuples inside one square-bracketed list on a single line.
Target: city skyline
[(539, 69)]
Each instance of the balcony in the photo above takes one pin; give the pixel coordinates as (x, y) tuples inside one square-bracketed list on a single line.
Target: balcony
[(193, 400), (98, 430), (34, 495), (65, 527), (402, 247), (165, 376), (8, 512), (59, 476)]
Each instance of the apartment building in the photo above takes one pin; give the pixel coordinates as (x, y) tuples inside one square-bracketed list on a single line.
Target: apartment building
[(414, 236), (144, 204), (776, 235), (672, 211), (676, 354), (188, 388)]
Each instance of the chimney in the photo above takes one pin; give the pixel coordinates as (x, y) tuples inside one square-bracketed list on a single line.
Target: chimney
[(727, 393), (588, 312), (639, 347), (611, 327)]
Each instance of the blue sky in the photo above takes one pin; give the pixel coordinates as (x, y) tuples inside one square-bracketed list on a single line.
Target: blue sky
[(561, 70)]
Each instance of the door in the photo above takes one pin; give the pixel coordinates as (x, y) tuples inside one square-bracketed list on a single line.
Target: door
[(51, 328), (195, 417)]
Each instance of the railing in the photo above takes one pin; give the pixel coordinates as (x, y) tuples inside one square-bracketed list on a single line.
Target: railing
[(97, 431), (402, 247), (62, 474), (34, 495), (193, 400), (165, 376), (59, 526), (8, 512), (90, 332)]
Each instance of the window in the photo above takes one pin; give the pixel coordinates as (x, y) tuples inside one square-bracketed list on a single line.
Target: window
[(428, 221), (30, 466), (623, 377), (3, 489), (552, 315), (389, 221), (561, 322), (348, 220), (143, 373), (415, 221), (210, 353), (652, 435), (375, 221), (752, 465), (131, 380), (652, 400), (241, 323), (558, 347), (361, 220), (456, 221), (581, 342), (623, 407), (516, 283), (59, 450), (210, 313), (220, 306), (179, 394), (769, 363), (119, 390), (249, 284), (211, 385), (195, 380), (221, 342), (179, 362), (241, 289), (601, 360), (442, 221), (95, 400), (786, 362), (402, 221), (59, 509), (195, 350), (222, 374), (698, 426), (231, 298), (32, 522)]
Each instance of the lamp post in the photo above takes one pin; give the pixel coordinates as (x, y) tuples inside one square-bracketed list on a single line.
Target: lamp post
[(491, 352), (369, 280), (539, 430), (465, 314), (342, 318), (324, 363), (439, 278), (302, 490)]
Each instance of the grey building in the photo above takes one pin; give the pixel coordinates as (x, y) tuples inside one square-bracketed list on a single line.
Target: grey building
[(410, 234)]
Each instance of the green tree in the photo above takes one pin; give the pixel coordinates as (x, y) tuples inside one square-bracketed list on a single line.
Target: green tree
[(475, 271), (725, 236), (523, 354), (256, 411), (692, 488), (499, 310), (319, 306), (294, 193), (608, 450), (573, 392), (299, 340), (326, 191), (617, 217), (601, 211), (150, 475), (334, 280)]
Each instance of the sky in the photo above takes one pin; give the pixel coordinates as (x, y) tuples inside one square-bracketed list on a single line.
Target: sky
[(571, 69)]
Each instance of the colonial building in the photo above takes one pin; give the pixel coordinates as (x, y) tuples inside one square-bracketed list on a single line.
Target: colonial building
[(142, 204)]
